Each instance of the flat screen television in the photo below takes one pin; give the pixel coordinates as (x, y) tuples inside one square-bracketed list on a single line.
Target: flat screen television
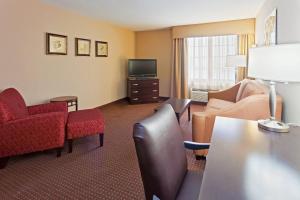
[(142, 68)]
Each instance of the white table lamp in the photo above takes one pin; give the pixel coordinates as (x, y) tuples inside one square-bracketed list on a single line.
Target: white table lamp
[(279, 63), (236, 61)]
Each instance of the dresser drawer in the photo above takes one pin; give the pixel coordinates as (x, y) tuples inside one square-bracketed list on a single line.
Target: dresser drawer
[(144, 91), (140, 99), (140, 84)]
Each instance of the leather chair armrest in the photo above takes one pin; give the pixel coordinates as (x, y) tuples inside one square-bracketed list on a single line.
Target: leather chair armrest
[(254, 107), (227, 95)]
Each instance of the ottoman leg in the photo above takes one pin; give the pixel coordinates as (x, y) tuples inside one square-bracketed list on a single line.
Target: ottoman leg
[(58, 152), (70, 142), (101, 138), (3, 162)]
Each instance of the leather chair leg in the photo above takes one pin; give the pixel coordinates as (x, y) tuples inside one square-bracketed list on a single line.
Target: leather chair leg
[(200, 157)]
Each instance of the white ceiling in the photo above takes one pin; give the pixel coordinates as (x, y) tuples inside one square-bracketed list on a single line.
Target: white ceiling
[(154, 14)]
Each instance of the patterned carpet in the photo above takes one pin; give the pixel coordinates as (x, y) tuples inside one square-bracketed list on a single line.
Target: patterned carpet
[(110, 172)]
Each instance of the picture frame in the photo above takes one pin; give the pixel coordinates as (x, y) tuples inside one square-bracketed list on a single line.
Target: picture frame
[(271, 29), (56, 44), (101, 49), (82, 47)]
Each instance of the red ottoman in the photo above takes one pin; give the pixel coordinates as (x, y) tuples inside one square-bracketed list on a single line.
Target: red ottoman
[(83, 123)]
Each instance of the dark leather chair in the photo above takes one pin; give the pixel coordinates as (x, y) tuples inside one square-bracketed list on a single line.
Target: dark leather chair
[(162, 157)]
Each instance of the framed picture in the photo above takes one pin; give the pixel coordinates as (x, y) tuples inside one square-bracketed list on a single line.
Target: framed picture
[(101, 49), (82, 47), (56, 44), (271, 29)]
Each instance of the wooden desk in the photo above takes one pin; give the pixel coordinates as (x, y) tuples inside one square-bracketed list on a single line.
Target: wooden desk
[(246, 163)]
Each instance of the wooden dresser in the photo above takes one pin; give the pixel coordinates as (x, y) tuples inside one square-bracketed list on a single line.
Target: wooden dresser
[(143, 90)]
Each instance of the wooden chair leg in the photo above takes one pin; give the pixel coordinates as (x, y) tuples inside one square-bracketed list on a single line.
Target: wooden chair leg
[(3, 162), (58, 152), (70, 142), (101, 138)]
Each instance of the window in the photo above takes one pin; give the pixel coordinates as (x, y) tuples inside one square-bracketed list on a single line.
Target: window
[(207, 60)]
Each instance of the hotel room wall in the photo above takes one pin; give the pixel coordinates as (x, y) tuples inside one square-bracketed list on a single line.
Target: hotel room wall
[(288, 32), (39, 77), (158, 43)]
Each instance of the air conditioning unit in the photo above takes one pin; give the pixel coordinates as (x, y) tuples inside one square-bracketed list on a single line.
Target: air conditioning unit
[(199, 95)]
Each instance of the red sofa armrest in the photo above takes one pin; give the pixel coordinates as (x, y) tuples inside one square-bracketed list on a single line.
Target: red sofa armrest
[(34, 133), (47, 108)]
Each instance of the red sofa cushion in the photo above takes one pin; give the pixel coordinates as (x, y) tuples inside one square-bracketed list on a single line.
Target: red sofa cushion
[(84, 122), (12, 105)]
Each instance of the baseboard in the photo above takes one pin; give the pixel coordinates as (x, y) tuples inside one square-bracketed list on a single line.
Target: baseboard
[(116, 101), (199, 103), (163, 98)]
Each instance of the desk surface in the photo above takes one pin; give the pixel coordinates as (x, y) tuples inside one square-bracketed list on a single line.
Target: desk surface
[(246, 163)]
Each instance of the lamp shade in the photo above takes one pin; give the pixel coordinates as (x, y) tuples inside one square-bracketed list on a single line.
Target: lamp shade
[(275, 63), (236, 61)]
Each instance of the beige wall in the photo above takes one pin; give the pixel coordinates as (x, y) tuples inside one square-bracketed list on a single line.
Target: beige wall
[(24, 65), (245, 26), (288, 32), (157, 44)]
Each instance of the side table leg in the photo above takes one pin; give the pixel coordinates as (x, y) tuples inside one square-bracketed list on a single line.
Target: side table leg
[(76, 105)]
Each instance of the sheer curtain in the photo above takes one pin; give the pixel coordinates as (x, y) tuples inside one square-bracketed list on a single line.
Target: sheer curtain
[(207, 59)]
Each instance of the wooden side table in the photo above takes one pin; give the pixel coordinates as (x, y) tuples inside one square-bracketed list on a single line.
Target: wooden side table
[(71, 100), (179, 106)]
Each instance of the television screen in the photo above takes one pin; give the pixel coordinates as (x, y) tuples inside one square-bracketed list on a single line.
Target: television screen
[(142, 68)]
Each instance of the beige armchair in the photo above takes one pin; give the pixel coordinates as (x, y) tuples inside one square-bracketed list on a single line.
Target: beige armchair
[(248, 99)]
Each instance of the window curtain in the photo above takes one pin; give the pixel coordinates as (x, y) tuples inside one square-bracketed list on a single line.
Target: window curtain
[(246, 41), (207, 61), (179, 81)]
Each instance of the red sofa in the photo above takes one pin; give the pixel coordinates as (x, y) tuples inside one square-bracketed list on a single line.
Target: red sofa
[(29, 129)]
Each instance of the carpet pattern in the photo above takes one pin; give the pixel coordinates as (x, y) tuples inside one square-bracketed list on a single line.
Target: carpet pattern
[(109, 172)]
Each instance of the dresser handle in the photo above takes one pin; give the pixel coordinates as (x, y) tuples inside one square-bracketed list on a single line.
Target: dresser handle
[(135, 84), (154, 83), (135, 99), (154, 97), (154, 90), (135, 92)]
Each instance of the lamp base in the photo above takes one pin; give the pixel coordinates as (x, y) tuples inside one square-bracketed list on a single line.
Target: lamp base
[(273, 126)]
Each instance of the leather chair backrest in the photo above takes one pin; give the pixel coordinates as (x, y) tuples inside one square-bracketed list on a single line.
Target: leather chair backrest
[(12, 105), (161, 154)]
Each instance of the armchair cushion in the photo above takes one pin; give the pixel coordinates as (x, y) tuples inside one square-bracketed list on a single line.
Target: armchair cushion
[(48, 107), (12, 105), (243, 84), (251, 87)]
